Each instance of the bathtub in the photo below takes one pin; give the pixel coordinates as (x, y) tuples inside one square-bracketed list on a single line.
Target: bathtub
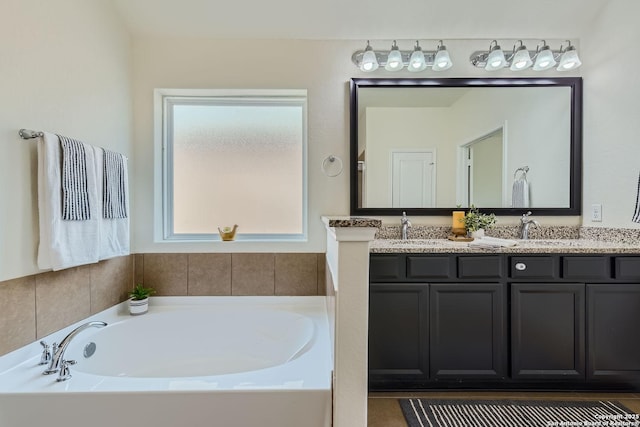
[(190, 361)]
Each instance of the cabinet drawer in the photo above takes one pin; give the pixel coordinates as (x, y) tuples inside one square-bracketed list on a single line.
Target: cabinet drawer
[(432, 267), (533, 267), (480, 267), (586, 267), (386, 268), (627, 268)]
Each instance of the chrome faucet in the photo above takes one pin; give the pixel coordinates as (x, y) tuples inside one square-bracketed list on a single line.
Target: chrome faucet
[(57, 362), (406, 225), (525, 223)]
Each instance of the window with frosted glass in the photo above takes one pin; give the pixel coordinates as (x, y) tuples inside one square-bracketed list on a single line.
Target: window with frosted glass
[(235, 161)]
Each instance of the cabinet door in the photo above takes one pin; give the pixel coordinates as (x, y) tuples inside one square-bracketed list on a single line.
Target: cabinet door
[(613, 332), (467, 331), (547, 331), (398, 334)]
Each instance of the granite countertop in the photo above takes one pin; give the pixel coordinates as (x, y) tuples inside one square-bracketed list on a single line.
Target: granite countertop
[(351, 221), (579, 246)]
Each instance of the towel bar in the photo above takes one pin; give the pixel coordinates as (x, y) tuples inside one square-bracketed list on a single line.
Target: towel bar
[(29, 134)]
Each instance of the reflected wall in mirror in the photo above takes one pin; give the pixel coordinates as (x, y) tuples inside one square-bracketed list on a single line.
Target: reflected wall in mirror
[(427, 146)]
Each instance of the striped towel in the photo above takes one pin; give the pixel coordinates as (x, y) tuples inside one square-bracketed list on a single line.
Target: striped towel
[(75, 196), (636, 214), (114, 193)]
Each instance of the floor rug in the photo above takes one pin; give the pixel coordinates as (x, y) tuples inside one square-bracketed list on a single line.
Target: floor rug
[(516, 413)]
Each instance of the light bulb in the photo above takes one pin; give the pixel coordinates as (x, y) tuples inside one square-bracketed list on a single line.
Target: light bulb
[(417, 61), (569, 60), (369, 60), (442, 61), (521, 59), (496, 59), (544, 59), (394, 59)]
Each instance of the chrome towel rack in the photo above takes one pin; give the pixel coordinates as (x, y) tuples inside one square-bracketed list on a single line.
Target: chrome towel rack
[(29, 134), (524, 171)]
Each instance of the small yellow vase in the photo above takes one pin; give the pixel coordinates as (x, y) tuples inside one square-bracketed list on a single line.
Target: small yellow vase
[(228, 234)]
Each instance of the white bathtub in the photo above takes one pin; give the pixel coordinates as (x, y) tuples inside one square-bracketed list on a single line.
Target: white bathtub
[(190, 361)]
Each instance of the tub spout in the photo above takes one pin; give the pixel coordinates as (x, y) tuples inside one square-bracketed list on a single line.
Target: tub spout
[(58, 352)]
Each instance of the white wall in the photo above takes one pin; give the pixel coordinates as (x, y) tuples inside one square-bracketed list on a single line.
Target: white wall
[(91, 101), (322, 67), (64, 68), (612, 114)]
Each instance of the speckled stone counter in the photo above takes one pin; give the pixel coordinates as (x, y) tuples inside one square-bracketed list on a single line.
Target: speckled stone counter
[(583, 246), (351, 221)]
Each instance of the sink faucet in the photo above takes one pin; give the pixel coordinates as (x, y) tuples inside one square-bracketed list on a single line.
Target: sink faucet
[(406, 224), (525, 223), (57, 358)]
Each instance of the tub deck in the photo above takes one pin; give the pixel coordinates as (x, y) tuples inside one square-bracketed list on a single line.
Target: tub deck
[(292, 394)]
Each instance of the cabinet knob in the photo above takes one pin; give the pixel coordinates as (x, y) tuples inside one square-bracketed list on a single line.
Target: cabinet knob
[(521, 266)]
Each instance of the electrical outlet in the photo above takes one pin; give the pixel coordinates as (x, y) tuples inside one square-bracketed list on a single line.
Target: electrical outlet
[(596, 212)]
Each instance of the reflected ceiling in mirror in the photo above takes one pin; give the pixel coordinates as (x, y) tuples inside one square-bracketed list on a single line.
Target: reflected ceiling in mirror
[(427, 146)]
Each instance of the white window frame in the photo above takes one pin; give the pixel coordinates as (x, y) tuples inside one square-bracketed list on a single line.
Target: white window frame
[(163, 188)]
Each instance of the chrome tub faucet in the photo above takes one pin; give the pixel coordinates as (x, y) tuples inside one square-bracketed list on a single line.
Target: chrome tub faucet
[(57, 362), (525, 223), (406, 225)]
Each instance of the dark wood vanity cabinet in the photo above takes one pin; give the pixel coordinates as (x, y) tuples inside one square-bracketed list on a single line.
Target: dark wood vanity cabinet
[(547, 331), (467, 331), (504, 321), (399, 333), (613, 332)]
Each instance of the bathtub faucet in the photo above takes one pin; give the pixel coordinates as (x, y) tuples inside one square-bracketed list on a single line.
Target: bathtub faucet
[(57, 358)]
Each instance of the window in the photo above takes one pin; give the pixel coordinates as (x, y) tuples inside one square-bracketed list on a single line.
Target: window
[(234, 157)]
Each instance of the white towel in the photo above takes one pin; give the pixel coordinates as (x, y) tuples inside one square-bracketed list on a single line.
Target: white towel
[(520, 194), (64, 244), (114, 232), (492, 243)]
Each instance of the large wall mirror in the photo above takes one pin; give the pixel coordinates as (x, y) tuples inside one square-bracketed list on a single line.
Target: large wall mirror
[(427, 146)]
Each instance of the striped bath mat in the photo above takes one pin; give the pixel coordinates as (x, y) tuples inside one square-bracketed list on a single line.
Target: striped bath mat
[(515, 413)]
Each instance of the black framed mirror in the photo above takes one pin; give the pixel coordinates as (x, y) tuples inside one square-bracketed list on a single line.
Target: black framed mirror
[(429, 146)]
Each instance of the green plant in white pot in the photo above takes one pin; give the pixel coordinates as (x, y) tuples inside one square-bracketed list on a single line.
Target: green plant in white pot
[(476, 222), (139, 299)]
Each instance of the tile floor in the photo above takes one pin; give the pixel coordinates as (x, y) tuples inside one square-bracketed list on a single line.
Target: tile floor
[(384, 410)]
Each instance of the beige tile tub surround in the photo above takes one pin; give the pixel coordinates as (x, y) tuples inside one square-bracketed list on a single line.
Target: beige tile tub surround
[(253, 274), (17, 313), (34, 306), (209, 274), (296, 274), (219, 274)]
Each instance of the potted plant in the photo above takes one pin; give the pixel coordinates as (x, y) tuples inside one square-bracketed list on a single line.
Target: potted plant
[(476, 222), (139, 299)]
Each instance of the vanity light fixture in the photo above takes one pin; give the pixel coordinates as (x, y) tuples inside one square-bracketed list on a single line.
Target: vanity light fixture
[(417, 61), (442, 61), (395, 59), (521, 58), (543, 58), (496, 59), (369, 61), (569, 59)]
